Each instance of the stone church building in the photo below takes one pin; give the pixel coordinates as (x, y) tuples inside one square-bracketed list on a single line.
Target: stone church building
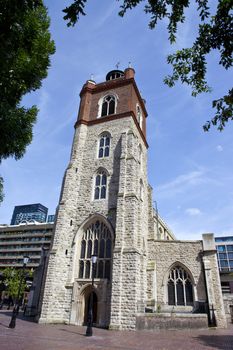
[(105, 208)]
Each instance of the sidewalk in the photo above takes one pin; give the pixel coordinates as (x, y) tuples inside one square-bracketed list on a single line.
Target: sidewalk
[(32, 336)]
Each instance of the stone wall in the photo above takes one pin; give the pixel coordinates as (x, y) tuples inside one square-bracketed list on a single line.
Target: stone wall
[(171, 321), (163, 255), (199, 260), (213, 285), (129, 277), (121, 208), (228, 307)]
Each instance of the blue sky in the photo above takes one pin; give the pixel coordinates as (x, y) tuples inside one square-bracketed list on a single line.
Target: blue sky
[(190, 171)]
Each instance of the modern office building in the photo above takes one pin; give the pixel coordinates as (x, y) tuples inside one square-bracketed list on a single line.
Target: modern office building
[(225, 253), (51, 218), (16, 241), (224, 246), (28, 212)]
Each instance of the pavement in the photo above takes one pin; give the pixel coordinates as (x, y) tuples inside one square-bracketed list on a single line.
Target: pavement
[(28, 335)]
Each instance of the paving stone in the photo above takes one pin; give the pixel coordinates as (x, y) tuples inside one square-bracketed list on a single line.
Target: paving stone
[(28, 335)]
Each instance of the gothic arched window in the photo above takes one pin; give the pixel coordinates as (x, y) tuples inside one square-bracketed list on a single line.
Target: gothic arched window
[(87, 268), (108, 105), (104, 146), (180, 289), (83, 249), (96, 237), (81, 269), (100, 185), (89, 248)]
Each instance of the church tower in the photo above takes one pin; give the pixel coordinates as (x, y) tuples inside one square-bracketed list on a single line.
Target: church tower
[(103, 210)]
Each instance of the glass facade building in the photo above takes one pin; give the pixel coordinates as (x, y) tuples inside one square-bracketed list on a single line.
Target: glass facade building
[(224, 247), (51, 218), (29, 212)]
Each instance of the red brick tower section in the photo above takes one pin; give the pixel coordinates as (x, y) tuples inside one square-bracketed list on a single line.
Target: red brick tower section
[(128, 95)]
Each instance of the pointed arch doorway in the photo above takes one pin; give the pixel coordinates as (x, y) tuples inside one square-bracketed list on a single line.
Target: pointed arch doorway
[(96, 237), (87, 305)]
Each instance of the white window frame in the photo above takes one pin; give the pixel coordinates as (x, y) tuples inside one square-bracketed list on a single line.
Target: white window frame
[(183, 277), (101, 101), (100, 173), (104, 136)]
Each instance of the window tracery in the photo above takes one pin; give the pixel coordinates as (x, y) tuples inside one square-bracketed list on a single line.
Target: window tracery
[(180, 289), (96, 239), (108, 105), (104, 145), (100, 185)]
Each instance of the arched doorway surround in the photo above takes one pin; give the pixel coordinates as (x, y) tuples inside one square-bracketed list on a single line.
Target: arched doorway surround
[(96, 236)]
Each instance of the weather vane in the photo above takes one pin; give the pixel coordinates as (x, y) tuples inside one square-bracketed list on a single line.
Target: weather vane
[(129, 65), (117, 65)]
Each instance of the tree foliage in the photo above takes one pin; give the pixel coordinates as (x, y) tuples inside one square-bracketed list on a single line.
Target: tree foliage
[(1, 189), (12, 277), (189, 64), (26, 46)]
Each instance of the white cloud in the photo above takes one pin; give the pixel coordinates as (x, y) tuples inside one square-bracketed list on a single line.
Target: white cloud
[(105, 16), (44, 100), (193, 211), (219, 148), (180, 183), (185, 183)]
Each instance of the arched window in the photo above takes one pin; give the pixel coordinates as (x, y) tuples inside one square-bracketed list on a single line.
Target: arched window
[(100, 269), (107, 269), (101, 251), (108, 105), (108, 248), (139, 115), (89, 248), (104, 146), (180, 289), (87, 269), (83, 249), (100, 185), (81, 268), (96, 244), (98, 240), (160, 233)]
